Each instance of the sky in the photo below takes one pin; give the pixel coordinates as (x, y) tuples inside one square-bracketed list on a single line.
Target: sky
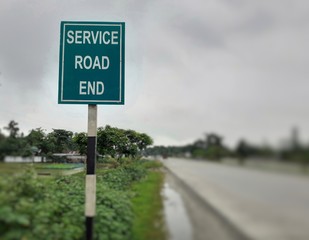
[(238, 68)]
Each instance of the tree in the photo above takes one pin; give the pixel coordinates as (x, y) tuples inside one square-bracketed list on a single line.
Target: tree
[(144, 141), (242, 151), (213, 140), (135, 142), (214, 147), (12, 128), (14, 147), (2, 141), (60, 140), (210, 148), (80, 139), (109, 141), (118, 142), (36, 136), (2, 137)]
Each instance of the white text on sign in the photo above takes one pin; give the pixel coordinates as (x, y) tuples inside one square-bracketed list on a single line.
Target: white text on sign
[(88, 62), (92, 37), (92, 62), (91, 88)]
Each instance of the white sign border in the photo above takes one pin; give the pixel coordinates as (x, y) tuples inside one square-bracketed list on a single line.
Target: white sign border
[(120, 65)]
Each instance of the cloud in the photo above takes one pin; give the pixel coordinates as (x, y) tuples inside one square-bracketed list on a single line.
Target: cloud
[(25, 44), (232, 66)]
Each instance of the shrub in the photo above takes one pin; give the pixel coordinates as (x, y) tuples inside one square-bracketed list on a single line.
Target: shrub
[(121, 178), (53, 208)]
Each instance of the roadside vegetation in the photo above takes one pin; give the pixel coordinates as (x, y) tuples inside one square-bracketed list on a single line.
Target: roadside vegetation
[(38, 200), (129, 205)]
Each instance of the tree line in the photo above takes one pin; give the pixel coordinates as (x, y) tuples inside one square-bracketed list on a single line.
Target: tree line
[(111, 141), (212, 147)]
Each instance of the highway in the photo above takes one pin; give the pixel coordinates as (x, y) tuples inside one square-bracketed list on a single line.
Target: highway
[(262, 205)]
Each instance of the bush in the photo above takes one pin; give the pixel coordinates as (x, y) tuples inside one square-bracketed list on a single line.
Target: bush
[(114, 216), (121, 178), (53, 208), (109, 161), (30, 209), (33, 209), (150, 164)]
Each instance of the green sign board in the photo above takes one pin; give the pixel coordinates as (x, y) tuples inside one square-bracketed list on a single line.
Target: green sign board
[(91, 68)]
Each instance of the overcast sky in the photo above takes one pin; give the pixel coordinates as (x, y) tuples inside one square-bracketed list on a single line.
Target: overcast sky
[(239, 68)]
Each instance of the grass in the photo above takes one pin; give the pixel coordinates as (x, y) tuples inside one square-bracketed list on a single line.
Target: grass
[(46, 168), (13, 168), (148, 208), (63, 166), (152, 164)]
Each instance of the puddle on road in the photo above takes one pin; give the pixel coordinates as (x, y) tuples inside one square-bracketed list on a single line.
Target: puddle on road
[(177, 219)]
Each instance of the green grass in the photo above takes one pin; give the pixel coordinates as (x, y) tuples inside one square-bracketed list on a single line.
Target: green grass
[(63, 166), (152, 164), (45, 169), (148, 208)]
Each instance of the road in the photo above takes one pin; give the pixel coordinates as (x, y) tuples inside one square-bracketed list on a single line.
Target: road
[(262, 205)]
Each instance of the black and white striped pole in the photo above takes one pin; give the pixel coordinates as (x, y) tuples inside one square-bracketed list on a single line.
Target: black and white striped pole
[(90, 191)]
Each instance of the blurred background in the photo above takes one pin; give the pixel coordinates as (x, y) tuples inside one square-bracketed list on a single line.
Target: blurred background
[(222, 81)]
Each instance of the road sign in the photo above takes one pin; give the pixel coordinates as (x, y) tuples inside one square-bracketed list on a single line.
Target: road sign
[(91, 68)]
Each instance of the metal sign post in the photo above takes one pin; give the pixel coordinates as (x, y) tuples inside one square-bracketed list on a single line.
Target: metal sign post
[(90, 200), (91, 71)]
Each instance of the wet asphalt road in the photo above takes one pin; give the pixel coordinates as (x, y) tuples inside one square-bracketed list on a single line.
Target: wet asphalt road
[(262, 205)]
